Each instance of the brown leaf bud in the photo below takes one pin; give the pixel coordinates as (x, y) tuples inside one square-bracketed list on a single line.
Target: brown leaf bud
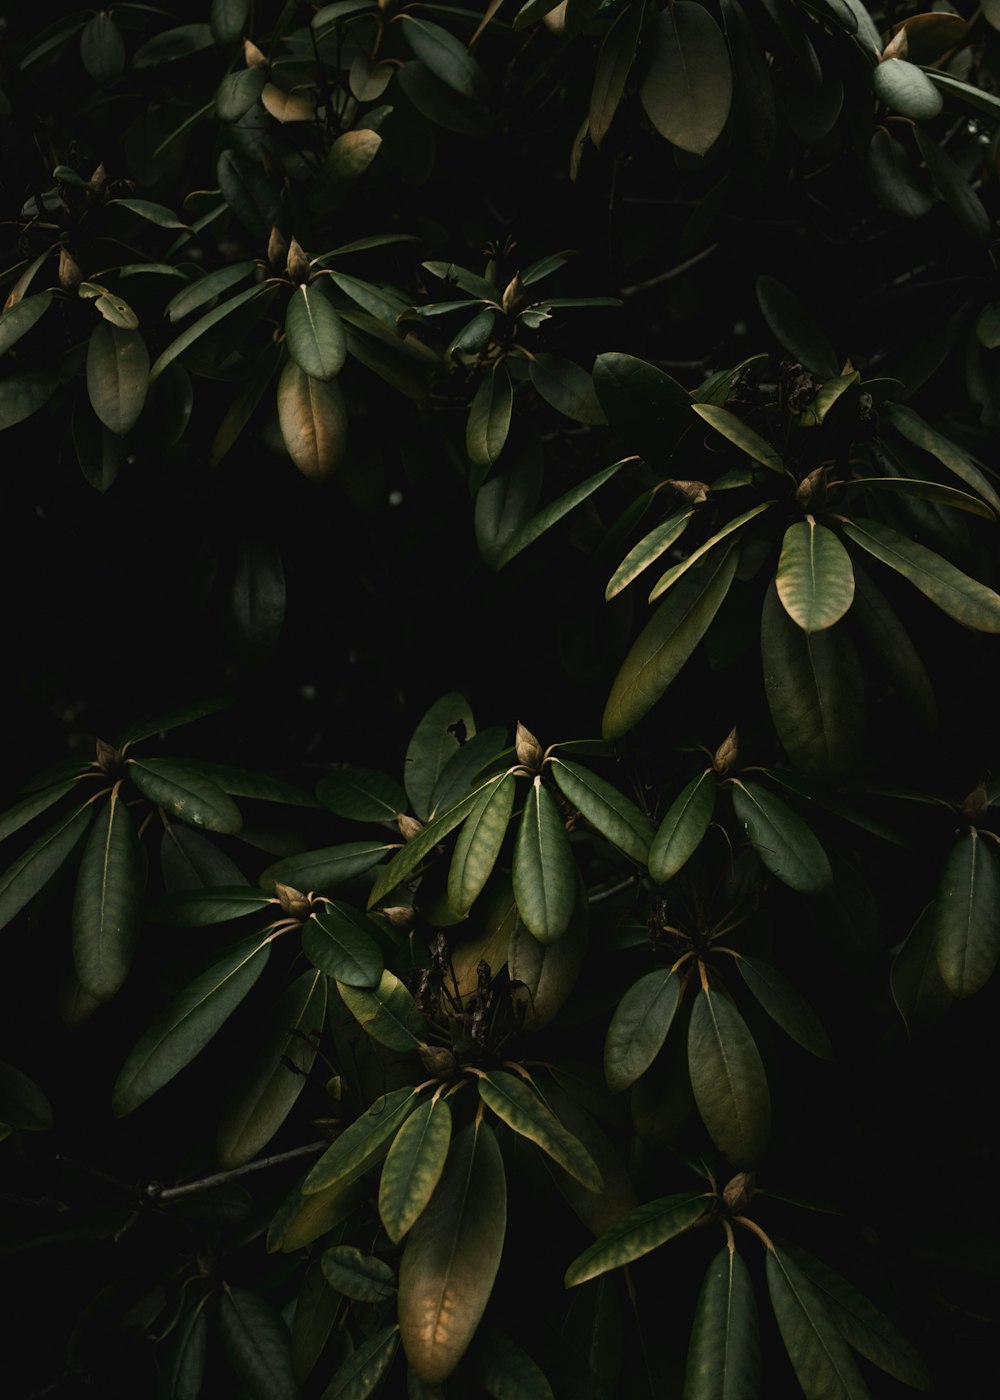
[(529, 751), (277, 248), (252, 56), (408, 826), (727, 753), (400, 916), (898, 46), (514, 297), (70, 275), (811, 493), (739, 1192), (439, 1061), (297, 264), (99, 179), (976, 805), (694, 492), (293, 902), (109, 760)]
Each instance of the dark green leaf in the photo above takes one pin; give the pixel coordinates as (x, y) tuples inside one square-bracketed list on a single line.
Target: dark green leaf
[(816, 1349), (360, 1375), (505, 1371), (567, 387), (677, 571), (185, 1368), (21, 395), (639, 1027), (723, 1360), (728, 1080), (202, 907), (258, 1345), (407, 860), (949, 454), (614, 63), (782, 840), (108, 903), (920, 995), (438, 736), (952, 184), (342, 942), (681, 832), (185, 794), (555, 510), (608, 810), (906, 90), (638, 1233), (740, 435), (314, 333), (544, 871), (359, 1276), (172, 44), (387, 1012), (32, 870), (31, 807), (413, 1166), (174, 719), (466, 768), (479, 842), (688, 87), (362, 1144), (965, 915), (647, 551), (327, 868), (815, 581), (489, 418), (521, 1108), (117, 376), (20, 318), (237, 93), (102, 48), (22, 1103), (362, 794), (784, 1005), (205, 289), (795, 329), (313, 420), (894, 178), (205, 323), (446, 57)]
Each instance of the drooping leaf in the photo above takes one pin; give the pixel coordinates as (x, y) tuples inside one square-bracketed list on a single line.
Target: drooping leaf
[(639, 1027), (782, 839), (507, 501), (546, 972), (313, 420), (314, 333), (740, 434), (446, 57), (552, 513), (172, 44), (452, 1255), (108, 901), (205, 323), (407, 860), (248, 192), (327, 868), (33, 869), (598, 1210), (795, 329), (467, 767), (918, 990), (21, 395), (723, 1361), (688, 87), (544, 871), (785, 1006), (362, 794), (413, 1167), (185, 794), (387, 1012), (682, 829), (359, 1276), (31, 807), (360, 1375), (181, 1031), (567, 388), (677, 571), (965, 915), (341, 941), (614, 63), (906, 421), (961, 597), (815, 692), (362, 1144), (953, 186), (205, 289), (818, 1353), (258, 1345), (200, 908), (23, 1105), (609, 811), (19, 319), (489, 418), (647, 551), (521, 1108), (438, 736), (149, 727), (479, 842), (301, 1218), (667, 641), (638, 1233), (894, 178), (728, 1080), (815, 581), (185, 1367), (270, 1083)]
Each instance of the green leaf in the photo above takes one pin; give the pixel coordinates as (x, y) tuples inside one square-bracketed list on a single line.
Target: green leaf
[(741, 435), (728, 1080), (521, 1108), (934, 491), (313, 420), (100, 452), (201, 908), (544, 871), (102, 48), (35, 867), (643, 1230), (968, 602), (688, 87), (948, 453), (905, 89), (489, 418), (452, 1255), (820, 1357), (301, 1219), (358, 1276), (205, 323), (341, 941), (407, 860), (506, 502), (784, 1005), (327, 868), (175, 719), (242, 782), (479, 843), (185, 794), (639, 1027), (547, 972), (31, 807), (117, 376), (950, 86), (205, 289), (258, 1345), (413, 1167), (678, 570), (723, 1361), (815, 580), (782, 840), (188, 1351), (446, 57), (363, 1143), (608, 810), (181, 1031), (614, 63), (815, 692), (272, 1080), (22, 1103), (238, 92), (19, 319), (894, 178), (387, 1012), (667, 641), (794, 328), (170, 45), (21, 395), (918, 990), (228, 20), (568, 388), (682, 829), (640, 400), (555, 510), (362, 794), (952, 185), (647, 551), (314, 333), (157, 214), (505, 1371), (598, 1210), (466, 768), (436, 739), (108, 903), (891, 645), (965, 915), (360, 1375)]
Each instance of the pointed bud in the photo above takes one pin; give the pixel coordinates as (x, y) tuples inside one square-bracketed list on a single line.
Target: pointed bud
[(408, 826), (514, 297), (335, 1088), (739, 1192), (898, 46), (726, 754), (277, 248), (252, 56), (70, 275), (694, 492), (297, 264), (439, 1061), (976, 805), (400, 916), (293, 902), (109, 760), (99, 179), (529, 751), (811, 494)]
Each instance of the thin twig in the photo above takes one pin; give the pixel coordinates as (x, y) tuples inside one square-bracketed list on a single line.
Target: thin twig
[(156, 1192)]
